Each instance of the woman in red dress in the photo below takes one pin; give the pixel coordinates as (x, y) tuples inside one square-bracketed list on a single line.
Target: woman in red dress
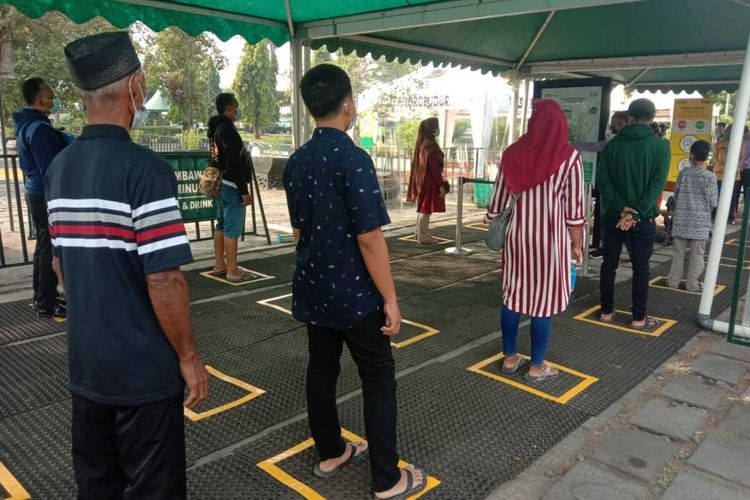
[(545, 230), (426, 179)]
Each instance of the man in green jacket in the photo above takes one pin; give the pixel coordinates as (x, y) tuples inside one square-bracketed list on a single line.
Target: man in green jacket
[(630, 179)]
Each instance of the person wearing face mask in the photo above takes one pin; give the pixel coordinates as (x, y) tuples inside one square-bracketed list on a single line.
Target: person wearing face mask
[(426, 187), (119, 242), (38, 142), (234, 195), (620, 119)]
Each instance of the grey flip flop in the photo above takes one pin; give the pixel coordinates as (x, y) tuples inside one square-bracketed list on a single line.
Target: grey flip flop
[(217, 273), (411, 489), (513, 369), (353, 455), (246, 276), (611, 320), (650, 325), (546, 374)]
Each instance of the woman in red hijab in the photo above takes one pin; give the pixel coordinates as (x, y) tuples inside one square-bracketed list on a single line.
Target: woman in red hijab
[(545, 230), (426, 179)]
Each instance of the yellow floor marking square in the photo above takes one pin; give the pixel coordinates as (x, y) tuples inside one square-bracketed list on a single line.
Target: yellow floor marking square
[(59, 320), (666, 324), (586, 381), (269, 303), (731, 262), (271, 467), (413, 239), (734, 242), (258, 277), (11, 485), (658, 282), (253, 392), (479, 225), (427, 331)]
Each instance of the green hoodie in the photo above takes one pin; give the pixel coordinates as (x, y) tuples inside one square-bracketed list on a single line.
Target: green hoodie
[(632, 171)]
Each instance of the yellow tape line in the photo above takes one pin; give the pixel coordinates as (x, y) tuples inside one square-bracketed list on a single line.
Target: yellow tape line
[(666, 323), (271, 467), (717, 289), (586, 381), (11, 485), (253, 392)]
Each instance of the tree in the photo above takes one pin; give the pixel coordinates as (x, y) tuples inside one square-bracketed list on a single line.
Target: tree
[(38, 51), (255, 85), (188, 68)]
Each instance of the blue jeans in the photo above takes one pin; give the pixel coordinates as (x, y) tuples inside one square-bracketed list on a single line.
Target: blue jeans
[(641, 238), (540, 330), (230, 212)]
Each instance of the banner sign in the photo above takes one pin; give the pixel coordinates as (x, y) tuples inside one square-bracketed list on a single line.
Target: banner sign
[(691, 122), (188, 167), (583, 109)]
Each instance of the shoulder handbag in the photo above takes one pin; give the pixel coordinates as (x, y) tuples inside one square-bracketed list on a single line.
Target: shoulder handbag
[(209, 183), (495, 237)]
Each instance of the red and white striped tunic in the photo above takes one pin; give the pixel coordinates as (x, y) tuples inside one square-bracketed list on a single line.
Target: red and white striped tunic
[(536, 264)]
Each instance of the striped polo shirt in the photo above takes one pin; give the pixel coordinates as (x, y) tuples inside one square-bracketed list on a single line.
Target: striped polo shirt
[(114, 219)]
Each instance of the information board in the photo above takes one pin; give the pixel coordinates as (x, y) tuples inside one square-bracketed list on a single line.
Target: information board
[(691, 122)]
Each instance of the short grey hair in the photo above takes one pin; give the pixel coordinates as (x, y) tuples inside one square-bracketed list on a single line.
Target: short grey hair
[(110, 92)]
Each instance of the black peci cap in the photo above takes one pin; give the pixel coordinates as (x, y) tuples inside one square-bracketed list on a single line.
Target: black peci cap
[(99, 60)]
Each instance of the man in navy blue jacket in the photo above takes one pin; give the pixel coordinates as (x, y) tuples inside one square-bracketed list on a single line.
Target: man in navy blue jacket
[(38, 142)]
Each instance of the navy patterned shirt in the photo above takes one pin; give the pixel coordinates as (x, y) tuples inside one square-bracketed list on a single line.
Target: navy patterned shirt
[(333, 195)]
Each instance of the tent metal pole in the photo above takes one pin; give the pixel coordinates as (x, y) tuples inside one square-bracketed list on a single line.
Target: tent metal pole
[(525, 114), (289, 19), (297, 106), (513, 114), (536, 39), (306, 118), (203, 11), (725, 197)]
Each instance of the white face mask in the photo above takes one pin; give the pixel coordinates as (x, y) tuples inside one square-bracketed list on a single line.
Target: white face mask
[(139, 115)]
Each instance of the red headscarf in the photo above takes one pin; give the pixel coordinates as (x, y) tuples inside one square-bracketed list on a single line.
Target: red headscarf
[(540, 152)]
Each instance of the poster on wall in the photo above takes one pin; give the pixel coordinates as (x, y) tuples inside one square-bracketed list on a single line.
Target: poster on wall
[(585, 103), (691, 122)]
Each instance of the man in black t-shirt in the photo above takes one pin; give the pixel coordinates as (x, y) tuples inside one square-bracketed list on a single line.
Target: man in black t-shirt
[(234, 195), (118, 240)]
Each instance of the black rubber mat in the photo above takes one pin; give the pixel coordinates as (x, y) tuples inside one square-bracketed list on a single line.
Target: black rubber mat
[(34, 375), (281, 267), (18, 321), (238, 321), (437, 270), (36, 448), (463, 431)]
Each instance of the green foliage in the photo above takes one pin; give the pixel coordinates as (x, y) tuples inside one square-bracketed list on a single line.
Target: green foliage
[(255, 85), (406, 133), (460, 129), (188, 68), (38, 52), (191, 138)]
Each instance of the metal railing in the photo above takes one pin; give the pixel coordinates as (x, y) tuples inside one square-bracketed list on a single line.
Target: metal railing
[(16, 215), (459, 250)]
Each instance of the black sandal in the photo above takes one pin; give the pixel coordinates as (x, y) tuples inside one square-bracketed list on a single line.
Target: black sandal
[(351, 458), (411, 489)]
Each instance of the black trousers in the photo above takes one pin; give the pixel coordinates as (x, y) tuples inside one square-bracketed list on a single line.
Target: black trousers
[(371, 351), (596, 230), (641, 245), (129, 452), (45, 280)]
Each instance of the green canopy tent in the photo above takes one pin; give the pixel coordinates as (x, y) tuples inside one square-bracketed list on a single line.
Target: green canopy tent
[(645, 44)]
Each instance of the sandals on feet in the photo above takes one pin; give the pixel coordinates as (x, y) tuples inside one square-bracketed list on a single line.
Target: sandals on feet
[(218, 273), (411, 488), (353, 455), (547, 374), (648, 325), (515, 366), (611, 318)]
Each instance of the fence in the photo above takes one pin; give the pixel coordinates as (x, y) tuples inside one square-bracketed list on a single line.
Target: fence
[(393, 166)]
